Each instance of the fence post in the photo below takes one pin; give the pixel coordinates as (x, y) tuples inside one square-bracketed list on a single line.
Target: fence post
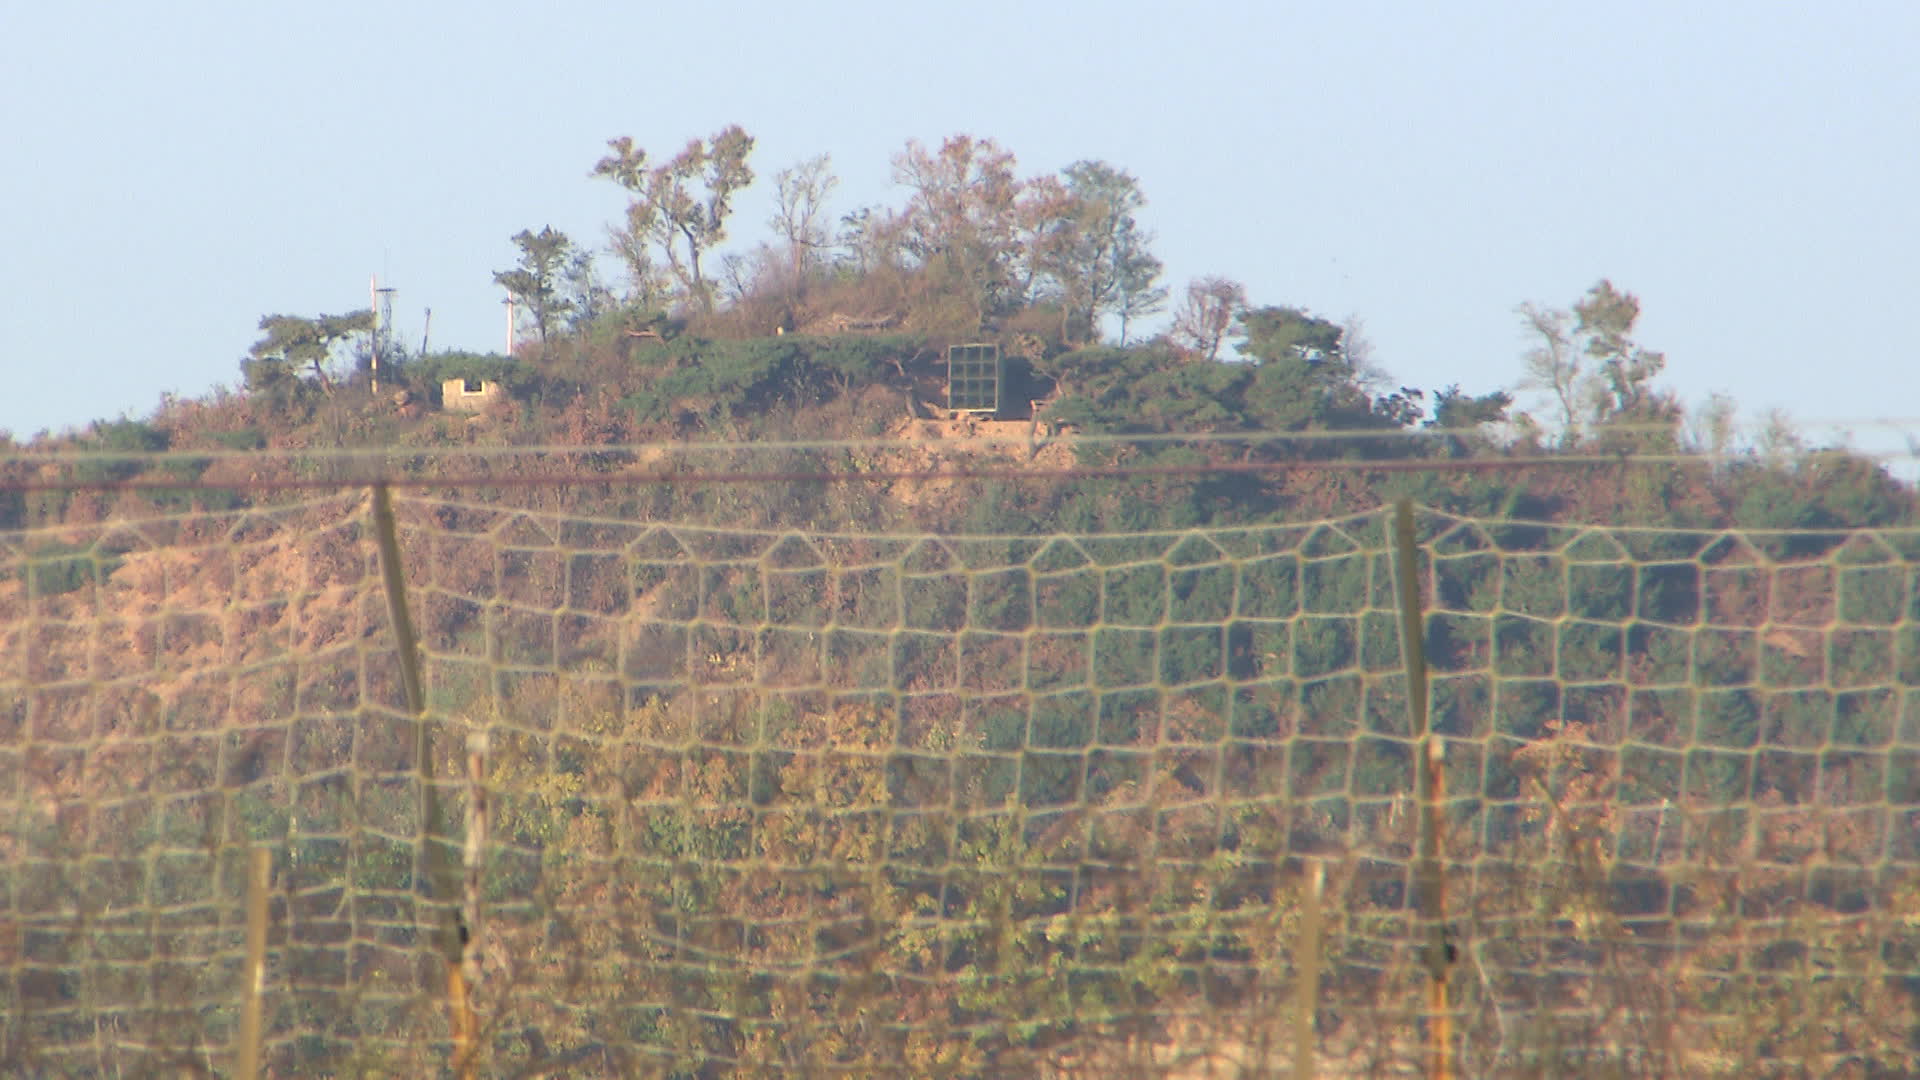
[(1429, 881), (443, 889), (259, 871), (1307, 992)]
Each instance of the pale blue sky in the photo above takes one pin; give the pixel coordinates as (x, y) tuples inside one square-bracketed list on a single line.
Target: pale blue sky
[(172, 172)]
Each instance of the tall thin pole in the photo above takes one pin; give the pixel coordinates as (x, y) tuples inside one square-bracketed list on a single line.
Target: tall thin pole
[(454, 935), (1306, 1003), (509, 302), (259, 873), (1429, 882), (373, 305), (382, 324)]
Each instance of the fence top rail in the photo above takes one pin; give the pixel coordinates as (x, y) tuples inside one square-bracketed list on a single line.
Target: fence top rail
[(14, 454), (1433, 523)]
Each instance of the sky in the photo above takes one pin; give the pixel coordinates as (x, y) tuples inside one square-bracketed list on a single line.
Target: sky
[(1751, 170)]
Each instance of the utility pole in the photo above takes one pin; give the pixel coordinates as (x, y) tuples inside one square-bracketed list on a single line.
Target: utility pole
[(509, 302)]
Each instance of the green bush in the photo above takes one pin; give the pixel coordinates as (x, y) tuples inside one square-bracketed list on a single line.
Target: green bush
[(727, 379), (54, 569)]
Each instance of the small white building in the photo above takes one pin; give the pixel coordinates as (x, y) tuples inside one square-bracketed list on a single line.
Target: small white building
[(470, 395)]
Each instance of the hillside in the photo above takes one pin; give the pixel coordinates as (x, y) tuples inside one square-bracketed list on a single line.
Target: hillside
[(781, 715)]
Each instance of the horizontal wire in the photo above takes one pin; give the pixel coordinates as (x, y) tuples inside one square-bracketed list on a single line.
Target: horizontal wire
[(795, 476), (821, 476), (1343, 522), (989, 439), (1359, 518)]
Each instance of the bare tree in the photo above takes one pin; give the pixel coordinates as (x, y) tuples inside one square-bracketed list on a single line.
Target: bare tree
[(872, 239), (1599, 329), (799, 216), (1711, 428), (1778, 442), (1553, 365), (1358, 348), (1208, 315), (738, 276), (683, 204)]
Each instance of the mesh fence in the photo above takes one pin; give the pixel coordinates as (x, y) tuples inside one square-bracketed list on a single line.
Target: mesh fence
[(688, 801)]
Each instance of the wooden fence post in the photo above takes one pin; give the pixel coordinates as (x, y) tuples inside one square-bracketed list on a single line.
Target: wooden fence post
[(454, 934), (1429, 880)]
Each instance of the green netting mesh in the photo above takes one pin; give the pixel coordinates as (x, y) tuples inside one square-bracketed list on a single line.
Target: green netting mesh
[(781, 803)]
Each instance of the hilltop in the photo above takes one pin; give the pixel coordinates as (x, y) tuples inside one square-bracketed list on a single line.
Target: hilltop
[(820, 334), (854, 765)]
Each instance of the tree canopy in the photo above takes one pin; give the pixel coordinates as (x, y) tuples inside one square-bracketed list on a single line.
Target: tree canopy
[(293, 342), (681, 206), (536, 283), (836, 322)]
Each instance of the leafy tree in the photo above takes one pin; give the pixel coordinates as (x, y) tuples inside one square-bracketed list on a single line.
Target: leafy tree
[(1605, 318), (1207, 316), (546, 259), (1290, 335), (1299, 377), (1138, 293), (1823, 490), (1304, 378), (1463, 416), (1454, 408), (1046, 229), (725, 379), (1145, 389), (682, 204), (1598, 329), (961, 218), (583, 287), (291, 343), (1097, 251), (1401, 408)]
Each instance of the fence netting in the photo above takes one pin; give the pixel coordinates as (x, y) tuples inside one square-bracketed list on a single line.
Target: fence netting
[(743, 802)]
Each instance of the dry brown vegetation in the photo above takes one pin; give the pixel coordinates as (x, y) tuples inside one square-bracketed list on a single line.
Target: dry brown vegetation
[(762, 806), (939, 777)]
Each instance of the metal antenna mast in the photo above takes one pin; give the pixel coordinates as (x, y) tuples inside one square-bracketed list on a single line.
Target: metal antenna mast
[(380, 302)]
